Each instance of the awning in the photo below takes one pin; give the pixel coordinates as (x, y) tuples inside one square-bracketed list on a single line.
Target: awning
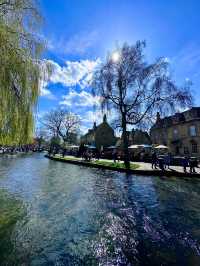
[(91, 147), (140, 146)]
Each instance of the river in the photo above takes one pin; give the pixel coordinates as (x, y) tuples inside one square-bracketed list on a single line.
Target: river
[(52, 213)]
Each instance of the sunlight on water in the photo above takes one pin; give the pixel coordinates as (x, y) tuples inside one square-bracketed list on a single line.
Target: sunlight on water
[(58, 214)]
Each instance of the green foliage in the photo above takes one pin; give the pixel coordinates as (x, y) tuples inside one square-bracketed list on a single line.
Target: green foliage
[(19, 69)]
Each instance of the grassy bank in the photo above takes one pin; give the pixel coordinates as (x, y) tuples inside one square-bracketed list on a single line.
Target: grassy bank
[(117, 165)]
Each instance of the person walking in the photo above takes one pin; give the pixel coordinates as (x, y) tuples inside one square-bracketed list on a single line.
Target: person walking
[(192, 165), (167, 161), (154, 160), (161, 163), (185, 164)]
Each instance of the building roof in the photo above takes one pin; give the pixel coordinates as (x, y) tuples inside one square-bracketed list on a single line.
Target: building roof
[(95, 127), (177, 118)]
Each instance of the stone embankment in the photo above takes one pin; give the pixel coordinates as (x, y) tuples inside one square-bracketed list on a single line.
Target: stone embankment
[(138, 168)]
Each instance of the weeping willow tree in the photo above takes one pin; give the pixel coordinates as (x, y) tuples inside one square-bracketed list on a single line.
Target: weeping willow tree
[(20, 73)]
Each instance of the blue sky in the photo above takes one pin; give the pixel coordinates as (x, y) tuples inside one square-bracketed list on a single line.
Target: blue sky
[(79, 33)]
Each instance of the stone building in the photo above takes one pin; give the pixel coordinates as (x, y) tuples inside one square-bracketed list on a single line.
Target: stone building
[(100, 136), (180, 132), (136, 137), (139, 137)]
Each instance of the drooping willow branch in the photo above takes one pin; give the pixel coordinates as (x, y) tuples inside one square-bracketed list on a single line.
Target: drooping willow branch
[(20, 71)]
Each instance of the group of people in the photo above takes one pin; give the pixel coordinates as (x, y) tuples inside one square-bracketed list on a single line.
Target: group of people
[(20, 148), (88, 155), (164, 162), (161, 162), (192, 163)]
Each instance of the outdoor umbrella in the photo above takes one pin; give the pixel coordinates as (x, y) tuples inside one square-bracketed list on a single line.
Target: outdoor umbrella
[(134, 147), (162, 147)]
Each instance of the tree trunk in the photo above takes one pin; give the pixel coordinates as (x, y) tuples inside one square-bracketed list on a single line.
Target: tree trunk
[(125, 144)]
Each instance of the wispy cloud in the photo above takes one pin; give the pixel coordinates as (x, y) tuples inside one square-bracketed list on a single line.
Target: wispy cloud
[(187, 61), (188, 55)]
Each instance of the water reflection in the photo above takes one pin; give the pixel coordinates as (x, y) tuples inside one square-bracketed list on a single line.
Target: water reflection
[(78, 216)]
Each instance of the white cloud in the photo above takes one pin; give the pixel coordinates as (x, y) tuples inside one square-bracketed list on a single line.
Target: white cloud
[(83, 129), (97, 116), (92, 116), (73, 73), (82, 99), (44, 92)]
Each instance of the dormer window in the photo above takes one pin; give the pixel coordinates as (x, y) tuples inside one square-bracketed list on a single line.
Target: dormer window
[(192, 131)]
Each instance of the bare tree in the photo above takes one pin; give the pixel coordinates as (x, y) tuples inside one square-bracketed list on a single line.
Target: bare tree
[(41, 136), (62, 123), (137, 90)]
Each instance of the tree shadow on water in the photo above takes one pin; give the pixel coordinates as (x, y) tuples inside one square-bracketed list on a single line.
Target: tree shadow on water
[(11, 211)]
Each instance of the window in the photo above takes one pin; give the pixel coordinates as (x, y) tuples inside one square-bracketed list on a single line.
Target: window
[(186, 150), (175, 133), (194, 148), (177, 150), (193, 131)]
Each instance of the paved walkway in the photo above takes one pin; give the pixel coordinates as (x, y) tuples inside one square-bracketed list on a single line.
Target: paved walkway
[(146, 166)]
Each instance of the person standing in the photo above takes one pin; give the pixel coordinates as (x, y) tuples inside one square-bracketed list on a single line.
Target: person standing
[(114, 155)]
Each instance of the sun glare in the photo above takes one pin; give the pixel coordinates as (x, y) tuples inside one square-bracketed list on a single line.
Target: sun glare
[(115, 56)]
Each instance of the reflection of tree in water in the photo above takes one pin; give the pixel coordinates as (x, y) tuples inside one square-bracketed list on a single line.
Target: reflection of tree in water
[(7, 162), (11, 211)]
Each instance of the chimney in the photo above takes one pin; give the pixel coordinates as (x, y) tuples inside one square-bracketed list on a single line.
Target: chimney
[(105, 118), (158, 117)]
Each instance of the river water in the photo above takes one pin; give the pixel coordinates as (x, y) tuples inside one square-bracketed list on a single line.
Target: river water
[(53, 213)]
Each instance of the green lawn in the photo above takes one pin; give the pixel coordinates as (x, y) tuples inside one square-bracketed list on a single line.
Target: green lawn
[(118, 165), (133, 166)]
